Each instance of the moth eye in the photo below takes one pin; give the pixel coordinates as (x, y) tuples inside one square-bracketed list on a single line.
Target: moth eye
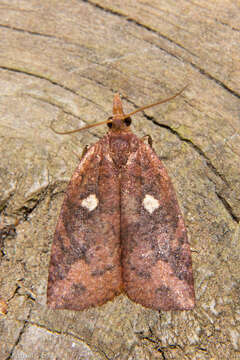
[(128, 121), (110, 123)]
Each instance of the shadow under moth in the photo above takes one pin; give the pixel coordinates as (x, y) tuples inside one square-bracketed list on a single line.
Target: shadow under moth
[(120, 228)]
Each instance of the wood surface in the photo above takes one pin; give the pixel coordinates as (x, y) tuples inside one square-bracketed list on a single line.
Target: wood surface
[(64, 60)]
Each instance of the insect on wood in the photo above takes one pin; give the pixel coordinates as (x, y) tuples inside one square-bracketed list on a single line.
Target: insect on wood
[(120, 228)]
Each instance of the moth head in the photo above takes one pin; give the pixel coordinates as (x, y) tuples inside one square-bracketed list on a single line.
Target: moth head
[(119, 121)]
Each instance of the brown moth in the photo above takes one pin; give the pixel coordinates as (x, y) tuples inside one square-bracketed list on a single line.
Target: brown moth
[(120, 228)]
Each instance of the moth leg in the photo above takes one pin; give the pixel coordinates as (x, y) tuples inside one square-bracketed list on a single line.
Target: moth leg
[(83, 153), (149, 139), (86, 147)]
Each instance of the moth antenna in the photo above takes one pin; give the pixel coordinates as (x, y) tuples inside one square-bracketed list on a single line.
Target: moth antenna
[(80, 129), (154, 104), (110, 119)]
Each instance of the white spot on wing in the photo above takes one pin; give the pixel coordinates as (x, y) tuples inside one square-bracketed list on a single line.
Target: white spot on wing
[(90, 203), (150, 203)]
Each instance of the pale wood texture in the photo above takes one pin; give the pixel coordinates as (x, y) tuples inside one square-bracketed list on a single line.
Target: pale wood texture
[(64, 60)]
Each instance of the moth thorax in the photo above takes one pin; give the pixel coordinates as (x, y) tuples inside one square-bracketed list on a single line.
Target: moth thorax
[(120, 148)]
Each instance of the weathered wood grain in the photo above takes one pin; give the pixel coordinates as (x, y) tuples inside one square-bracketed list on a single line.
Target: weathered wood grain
[(64, 60)]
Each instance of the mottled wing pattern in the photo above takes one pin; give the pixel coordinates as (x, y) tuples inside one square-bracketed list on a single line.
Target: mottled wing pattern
[(156, 258), (85, 267)]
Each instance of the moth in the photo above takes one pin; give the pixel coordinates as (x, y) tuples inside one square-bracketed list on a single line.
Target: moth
[(120, 228)]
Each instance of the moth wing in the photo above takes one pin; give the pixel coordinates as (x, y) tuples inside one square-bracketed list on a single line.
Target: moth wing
[(85, 267), (156, 257)]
